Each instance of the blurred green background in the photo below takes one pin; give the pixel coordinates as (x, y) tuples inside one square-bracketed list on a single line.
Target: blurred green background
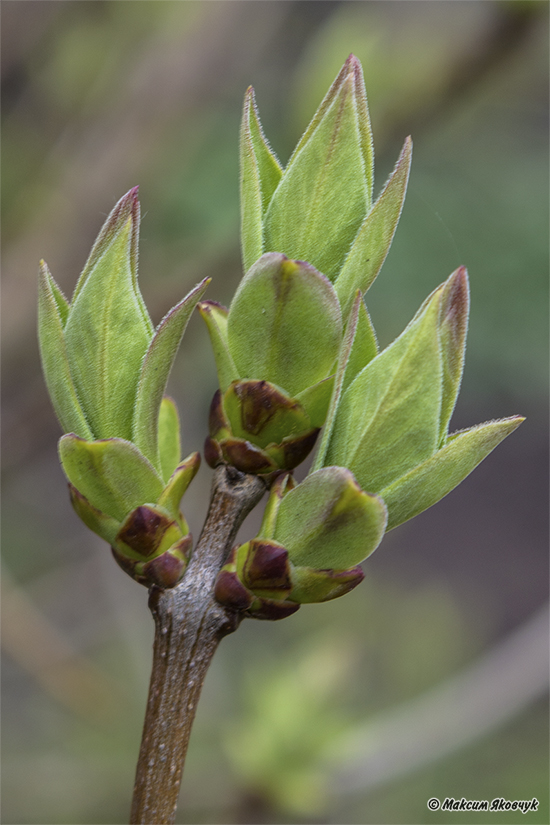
[(414, 685)]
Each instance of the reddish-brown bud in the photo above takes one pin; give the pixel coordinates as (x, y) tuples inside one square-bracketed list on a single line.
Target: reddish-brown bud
[(212, 453), (266, 567), (167, 569), (271, 610), (144, 530), (230, 591), (246, 457)]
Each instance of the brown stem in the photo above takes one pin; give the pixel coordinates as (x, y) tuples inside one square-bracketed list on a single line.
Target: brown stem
[(189, 624)]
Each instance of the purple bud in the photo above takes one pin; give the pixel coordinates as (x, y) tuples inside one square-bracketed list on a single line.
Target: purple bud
[(230, 591), (267, 567), (128, 565), (144, 529), (246, 457), (165, 570), (260, 401), (295, 450), (212, 453), (218, 425), (271, 610)]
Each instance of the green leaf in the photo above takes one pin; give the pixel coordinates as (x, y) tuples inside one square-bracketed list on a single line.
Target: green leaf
[(352, 65), (126, 209), (388, 419), (169, 437), (345, 349), (284, 324), (327, 521), (61, 302), (55, 361), (252, 234), (316, 399), (94, 519), (310, 585), (260, 174), (323, 195), (215, 317), (107, 334), (364, 347), (453, 326), (433, 479), (365, 129), (280, 487), (359, 347), (112, 474), (179, 481), (368, 252), (155, 370)]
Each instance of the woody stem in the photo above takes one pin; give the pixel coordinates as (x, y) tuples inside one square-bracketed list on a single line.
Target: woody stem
[(189, 624)]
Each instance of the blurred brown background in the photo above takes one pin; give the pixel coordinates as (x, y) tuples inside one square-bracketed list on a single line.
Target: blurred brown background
[(413, 686)]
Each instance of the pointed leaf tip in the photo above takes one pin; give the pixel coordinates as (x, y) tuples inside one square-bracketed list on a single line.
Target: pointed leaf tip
[(155, 369), (455, 297), (434, 478), (127, 208), (215, 315), (325, 191), (108, 328), (453, 327), (373, 240), (53, 311)]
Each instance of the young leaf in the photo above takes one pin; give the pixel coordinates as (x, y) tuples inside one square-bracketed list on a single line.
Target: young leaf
[(322, 198), (101, 524), (284, 324), (365, 129), (310, 585), (351, 66), (364, 347), (126, 209), (280, 487), (178, 483), (61, 302), (260, 175), (358, 349), (252, 234), (169, 437), (215, 317), (107, 337), (111, 474), (327, 521), (369, 249), (316, 399), (437, 476), (155, 370), (453, 326), (345, 350), (388, 419), (269, 168), (55, 361)]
